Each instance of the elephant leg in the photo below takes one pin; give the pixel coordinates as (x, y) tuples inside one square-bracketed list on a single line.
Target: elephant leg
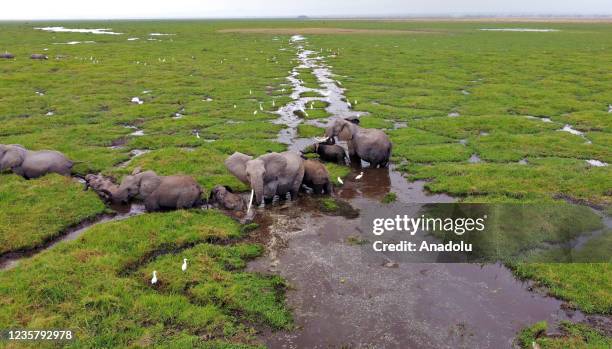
[(329, 188), (152, 203), (297, 183)]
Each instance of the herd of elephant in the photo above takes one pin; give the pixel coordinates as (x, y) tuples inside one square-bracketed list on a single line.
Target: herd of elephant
[(272, 174)]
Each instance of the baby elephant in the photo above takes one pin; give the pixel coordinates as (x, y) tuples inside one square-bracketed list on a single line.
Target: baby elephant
[(157, 192), (101, 185), (316, 177), (223, 197), (33, 164), (328, 151)]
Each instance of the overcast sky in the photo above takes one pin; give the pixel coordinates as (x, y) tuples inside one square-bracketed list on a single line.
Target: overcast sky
[(83, 9)]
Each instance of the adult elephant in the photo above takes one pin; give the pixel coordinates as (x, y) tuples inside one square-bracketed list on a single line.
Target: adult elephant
[(33, 164), (157, 192), (268, 175), (371, 145)]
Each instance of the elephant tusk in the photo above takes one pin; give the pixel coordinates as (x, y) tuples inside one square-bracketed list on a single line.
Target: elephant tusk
[(250, 201)]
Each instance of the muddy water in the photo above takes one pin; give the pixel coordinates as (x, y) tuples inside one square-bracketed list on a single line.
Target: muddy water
[(329, 88), (12, 259), (340, 299)]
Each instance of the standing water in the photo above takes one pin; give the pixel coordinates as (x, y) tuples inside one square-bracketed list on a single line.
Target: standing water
[(340, 299)]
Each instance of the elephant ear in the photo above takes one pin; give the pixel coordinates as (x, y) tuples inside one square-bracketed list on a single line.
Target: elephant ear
[(236, 164), (13, 157), (275, 163), (346, 132)]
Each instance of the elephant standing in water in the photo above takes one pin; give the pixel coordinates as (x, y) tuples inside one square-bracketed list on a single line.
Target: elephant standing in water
[(33, 164), (268, 175), (157, 192), (370, 145), (316, 177), (224, 197), (328, 151)]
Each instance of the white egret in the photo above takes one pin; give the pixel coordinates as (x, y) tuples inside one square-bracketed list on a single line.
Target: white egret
[(359, 176), (197, 135), (184, 266), (260, 107), (154, 279), (235, 106), (274, 103), (340, 180), (255, 112), (250, 92)]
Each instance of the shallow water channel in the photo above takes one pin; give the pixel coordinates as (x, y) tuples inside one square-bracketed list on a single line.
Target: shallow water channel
[(340, 299)]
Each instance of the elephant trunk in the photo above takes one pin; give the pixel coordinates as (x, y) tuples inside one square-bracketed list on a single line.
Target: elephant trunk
[(257, 184)]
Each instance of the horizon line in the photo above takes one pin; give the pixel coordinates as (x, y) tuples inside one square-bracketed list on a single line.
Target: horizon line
[(340, 17)]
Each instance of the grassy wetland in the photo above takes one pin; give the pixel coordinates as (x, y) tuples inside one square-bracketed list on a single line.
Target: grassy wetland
[(484, 116)]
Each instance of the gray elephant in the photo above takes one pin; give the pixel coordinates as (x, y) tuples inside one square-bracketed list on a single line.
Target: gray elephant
[(101, 185), (33, 164), (7, 55), (316, 177), (157, 192), (268, 175), (370, 145), (39, 56), (327, 151), (224, 197)]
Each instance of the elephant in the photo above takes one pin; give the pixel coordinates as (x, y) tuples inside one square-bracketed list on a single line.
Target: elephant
[(268, 175), (157, 192), (101, 185), (224, 197), (33, 164), (328, 151), (370, 145), (316, 177), (7, 55), (38, 56)]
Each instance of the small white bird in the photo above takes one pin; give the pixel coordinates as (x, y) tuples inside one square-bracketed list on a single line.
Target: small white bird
[(235, 106), (184, 266), (250, 92), (154, 279), (311, 106), (274, 103), (260, 107), (348, 104), (340, 180), (359, 176), (197, 135), (255, 112)]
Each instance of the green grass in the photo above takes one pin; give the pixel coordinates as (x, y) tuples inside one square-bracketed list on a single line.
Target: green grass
[(99, 285), (574, 336), (35, 211), (308, 131), (562, 76)]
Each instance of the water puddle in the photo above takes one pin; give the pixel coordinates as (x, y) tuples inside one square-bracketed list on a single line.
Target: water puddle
[(134, 153), (474, 159), (329, 89), (12, 259), (528, 30), (74, 42), (596, 163), (77, 30), (335, 291)]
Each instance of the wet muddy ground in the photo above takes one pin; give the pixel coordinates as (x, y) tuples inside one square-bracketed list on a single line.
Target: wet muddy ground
[(340, 299), (12, 259)]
